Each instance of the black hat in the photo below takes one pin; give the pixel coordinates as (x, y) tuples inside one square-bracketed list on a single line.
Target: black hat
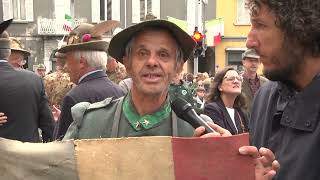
[(119, 41), (4, 36)]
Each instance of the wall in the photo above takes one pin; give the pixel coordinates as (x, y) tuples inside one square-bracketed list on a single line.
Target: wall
[(234, 35)]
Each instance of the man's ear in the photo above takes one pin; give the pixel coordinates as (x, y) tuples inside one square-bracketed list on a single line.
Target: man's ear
[(126, 63), (83, 63), (179, 67)]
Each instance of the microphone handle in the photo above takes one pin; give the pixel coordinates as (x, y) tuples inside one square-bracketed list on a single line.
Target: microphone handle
[(196, 121)]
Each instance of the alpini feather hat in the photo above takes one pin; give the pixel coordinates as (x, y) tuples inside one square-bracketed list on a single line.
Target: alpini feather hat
[(89, 37)]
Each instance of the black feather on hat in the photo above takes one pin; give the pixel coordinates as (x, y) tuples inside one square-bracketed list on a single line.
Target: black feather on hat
[(4, 25), (4, 36)]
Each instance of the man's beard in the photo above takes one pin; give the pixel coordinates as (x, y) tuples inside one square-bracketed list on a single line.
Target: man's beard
[(293, 56)]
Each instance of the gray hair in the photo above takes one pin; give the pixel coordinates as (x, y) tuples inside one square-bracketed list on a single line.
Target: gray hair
[(4, 54), (95, 59), (179, 52)]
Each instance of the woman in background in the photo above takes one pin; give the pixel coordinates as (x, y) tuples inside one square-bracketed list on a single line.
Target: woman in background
[(225, 103)]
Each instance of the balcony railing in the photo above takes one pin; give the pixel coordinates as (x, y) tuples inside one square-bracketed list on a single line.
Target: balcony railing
[(55, 26)]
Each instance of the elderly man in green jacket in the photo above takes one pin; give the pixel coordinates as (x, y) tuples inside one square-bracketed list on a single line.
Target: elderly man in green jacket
[(153, 52)]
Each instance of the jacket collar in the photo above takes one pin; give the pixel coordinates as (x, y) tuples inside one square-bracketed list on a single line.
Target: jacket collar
[(93, 75), (147, 121), (227, 116), (300, 110), (6, 64)]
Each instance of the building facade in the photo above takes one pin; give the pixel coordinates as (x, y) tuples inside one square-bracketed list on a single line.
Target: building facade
[(236, 27), (38, 24)]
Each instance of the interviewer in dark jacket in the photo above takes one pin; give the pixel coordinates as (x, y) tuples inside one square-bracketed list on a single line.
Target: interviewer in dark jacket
[(225, 102)]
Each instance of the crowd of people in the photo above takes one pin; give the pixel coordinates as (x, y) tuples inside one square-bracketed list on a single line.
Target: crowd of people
[(124, 88)]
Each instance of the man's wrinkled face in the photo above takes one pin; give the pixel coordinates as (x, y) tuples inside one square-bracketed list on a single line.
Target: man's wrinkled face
[(72, 67), (280, 58), (152, 63)]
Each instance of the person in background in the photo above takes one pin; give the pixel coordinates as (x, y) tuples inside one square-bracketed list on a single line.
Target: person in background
[(113, 70), (23, 99), (86, 59), (58, 83), (41, 70), (189, 79), (225, 103), (285, 112), (178, 89), (200, 97), (251, 80), (19, 55), (206, 84)]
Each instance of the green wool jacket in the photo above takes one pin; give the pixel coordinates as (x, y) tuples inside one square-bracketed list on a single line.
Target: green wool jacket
[(99, 120)]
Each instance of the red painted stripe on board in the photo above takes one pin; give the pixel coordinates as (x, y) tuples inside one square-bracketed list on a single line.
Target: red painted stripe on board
[(211, 158)]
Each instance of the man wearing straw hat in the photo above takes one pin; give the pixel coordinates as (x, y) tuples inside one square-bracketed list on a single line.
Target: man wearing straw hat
[(86, 59), (19, 55), (153, 53), (23, 99)]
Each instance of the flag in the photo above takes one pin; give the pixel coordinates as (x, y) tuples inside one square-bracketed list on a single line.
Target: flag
[(143, 158), (216, 39), (181, 23), (215, 30), (67, 25)]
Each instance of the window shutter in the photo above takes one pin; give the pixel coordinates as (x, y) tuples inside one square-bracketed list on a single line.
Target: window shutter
[(29, 10), (7, 9), (95, 11), (108, 10), (135, 11), (143, 8)]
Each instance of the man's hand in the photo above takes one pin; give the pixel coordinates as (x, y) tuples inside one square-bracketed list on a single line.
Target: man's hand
[(219, 131), (56, 113), (3, 118), (265, 164)]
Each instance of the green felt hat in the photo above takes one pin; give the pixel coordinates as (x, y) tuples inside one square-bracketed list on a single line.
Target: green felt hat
[(119, 41)]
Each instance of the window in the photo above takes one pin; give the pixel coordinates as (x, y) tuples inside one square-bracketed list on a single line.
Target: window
[(62, 8), (243, 16), (233, 56), (108, 10), (140, 8), (19, 10)]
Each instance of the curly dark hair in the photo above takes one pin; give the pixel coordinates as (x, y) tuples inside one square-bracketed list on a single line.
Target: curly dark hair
[(215, 94), (298, 19)]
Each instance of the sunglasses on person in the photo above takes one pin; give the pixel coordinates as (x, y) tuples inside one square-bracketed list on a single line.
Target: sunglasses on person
[(232, 78)]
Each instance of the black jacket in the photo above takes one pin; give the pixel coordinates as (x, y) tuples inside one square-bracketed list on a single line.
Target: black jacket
[(287, 122), (219, 114), (23, 100), (93, 88)]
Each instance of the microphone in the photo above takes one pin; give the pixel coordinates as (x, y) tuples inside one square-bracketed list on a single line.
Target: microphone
[(184, 110)]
